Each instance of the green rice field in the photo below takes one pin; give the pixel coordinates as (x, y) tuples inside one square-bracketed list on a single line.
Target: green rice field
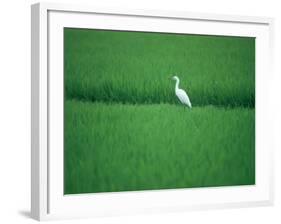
[(124, 128)]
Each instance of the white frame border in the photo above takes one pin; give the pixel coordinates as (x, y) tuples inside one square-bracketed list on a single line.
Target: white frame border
[(40, 105)]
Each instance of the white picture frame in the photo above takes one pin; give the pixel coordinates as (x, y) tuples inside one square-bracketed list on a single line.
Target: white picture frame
[(47, 198)]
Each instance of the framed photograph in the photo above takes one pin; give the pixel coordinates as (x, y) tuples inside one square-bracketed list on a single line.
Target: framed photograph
[(148, 111)]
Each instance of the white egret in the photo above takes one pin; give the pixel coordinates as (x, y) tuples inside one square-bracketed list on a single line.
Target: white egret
[(181, 94)]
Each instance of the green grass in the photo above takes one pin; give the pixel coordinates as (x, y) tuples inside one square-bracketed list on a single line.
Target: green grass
[(134, 67), (124, 128), (128, 147)]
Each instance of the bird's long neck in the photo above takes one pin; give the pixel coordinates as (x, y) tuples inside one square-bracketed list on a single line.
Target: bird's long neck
[(177, 84)]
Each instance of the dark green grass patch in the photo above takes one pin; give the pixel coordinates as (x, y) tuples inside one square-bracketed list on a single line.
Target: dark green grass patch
[(116, 147), (134, 67)]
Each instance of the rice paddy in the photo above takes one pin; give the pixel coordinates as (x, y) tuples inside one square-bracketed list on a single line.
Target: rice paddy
[(125, 130)]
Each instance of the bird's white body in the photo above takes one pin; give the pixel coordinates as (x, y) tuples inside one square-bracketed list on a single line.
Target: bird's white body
[(181, 94)]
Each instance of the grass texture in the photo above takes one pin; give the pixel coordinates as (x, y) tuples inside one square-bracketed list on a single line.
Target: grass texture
[(125, 130), (133, 67), (124, 147)]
